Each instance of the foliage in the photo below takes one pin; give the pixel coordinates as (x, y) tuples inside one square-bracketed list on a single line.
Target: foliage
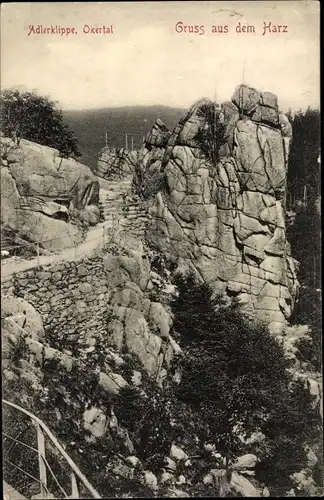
[(17, 352), (303, 168), (151, 431), (304, 234), (101, 212), (210, 136), (235, 378), (24, 431), (309, 311), (162, 264), (287, 429), (33, 117), (61, 402), (305, 239)]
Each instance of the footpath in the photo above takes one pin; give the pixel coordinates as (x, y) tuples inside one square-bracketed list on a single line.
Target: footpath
[(112, 197)]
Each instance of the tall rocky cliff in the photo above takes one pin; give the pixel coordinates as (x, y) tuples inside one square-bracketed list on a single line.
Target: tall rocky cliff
[(223, 216)]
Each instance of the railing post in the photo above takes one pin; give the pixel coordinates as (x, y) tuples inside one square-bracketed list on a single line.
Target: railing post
[(41, 455), (74, 487), (37, 254), (42, 431), (103, 236)]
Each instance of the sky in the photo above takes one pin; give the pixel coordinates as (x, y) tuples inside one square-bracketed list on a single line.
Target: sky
[(145, 61)]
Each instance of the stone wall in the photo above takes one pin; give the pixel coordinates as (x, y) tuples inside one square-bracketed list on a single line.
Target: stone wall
[(100, 299), (64, 294)]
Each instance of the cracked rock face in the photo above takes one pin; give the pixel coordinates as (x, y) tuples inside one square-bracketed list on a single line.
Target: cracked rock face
[(147, 174), (115, 163), (41, 192), (225, 218)]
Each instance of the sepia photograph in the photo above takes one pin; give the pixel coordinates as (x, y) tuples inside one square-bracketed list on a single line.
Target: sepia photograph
[(161, 294)]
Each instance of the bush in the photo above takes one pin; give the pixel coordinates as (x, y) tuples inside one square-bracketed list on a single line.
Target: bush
[(305, 238), (303, 167), (17, 352), (235, 378), (147, 416), (211, 135), (27, 115)]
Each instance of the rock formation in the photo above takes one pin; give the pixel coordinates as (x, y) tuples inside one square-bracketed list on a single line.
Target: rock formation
[(224, 217), (115, 163), (102, 301), (147, 175), (42, 194)]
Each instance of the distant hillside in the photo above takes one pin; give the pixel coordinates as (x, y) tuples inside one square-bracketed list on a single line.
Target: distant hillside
[(90, 126)]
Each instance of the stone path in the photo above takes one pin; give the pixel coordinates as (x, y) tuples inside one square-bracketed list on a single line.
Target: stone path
[(111, 197)]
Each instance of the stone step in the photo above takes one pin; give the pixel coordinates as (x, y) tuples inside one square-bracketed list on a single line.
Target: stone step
[(135, 216), (134, 212), (119, 188), (136, 222), (112, 205), (119, 203), (126, 226), (135, 207), (114, 197), (118, 181), (117, 208), (113, 211)]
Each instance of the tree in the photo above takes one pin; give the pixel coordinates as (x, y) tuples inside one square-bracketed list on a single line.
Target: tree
[(210, 136), (308, 311), (305, 239), (304, 234), (303, 168), (235, 376), (27, 115)]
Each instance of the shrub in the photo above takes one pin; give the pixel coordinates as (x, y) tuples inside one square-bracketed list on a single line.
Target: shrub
[(17, 351), (305, 238), (30, 116), (147, 416), (211, 135), (235, 378)]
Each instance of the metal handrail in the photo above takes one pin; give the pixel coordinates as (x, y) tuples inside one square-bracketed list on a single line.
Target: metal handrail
[(42, 430)]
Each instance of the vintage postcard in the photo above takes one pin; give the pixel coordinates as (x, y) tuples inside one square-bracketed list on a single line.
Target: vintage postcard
[(160, 249)]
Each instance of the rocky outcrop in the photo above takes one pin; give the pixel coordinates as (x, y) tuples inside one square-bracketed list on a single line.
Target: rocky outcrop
[(45, 197), (114, 163), (147, 175), (222, 215), (101, 301)]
